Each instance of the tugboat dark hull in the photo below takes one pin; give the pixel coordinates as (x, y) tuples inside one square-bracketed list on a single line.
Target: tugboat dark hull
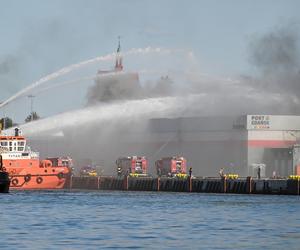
[(4, 182)]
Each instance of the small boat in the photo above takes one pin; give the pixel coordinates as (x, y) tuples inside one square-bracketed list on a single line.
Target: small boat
[(26, 170)]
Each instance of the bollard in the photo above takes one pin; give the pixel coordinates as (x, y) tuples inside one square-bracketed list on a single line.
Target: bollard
[(190, 184), (98, 183), (224, 182), (158, 183), (71, 182), (249, 184), (125, 184), (298, 191)]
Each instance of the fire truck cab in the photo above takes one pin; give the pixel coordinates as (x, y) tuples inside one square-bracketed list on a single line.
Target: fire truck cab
[(132, 166), (171, 167)]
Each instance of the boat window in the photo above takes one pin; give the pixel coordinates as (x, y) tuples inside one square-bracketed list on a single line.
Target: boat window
[(10, 148), (20, 143), (10, 143), (65, 163), (20, 148), (4, 143), (54, 161)]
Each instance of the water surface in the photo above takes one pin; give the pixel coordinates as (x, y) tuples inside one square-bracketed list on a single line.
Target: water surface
[(108, 219)]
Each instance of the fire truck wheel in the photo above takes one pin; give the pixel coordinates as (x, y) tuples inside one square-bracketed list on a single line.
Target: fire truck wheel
[(27, 178), (14, 182), (39, 180)]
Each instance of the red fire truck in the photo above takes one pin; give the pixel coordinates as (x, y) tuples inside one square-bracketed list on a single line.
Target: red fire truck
[(171, 166), (132, 166)]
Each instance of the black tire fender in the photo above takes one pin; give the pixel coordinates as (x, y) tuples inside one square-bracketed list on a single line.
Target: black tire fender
[(39, 180), (27, 177), (15, 182)]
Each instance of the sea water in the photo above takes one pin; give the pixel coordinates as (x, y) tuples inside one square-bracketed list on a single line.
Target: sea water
[(151, 220)]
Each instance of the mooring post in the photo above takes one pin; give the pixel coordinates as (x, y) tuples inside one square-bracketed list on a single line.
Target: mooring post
[(224, 180), (71, 182), (98, 183), (249, 184), (190, 184), (125, 186), (298, 191), (158, 183)]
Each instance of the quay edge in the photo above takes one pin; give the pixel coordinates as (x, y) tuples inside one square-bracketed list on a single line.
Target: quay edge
[(246, 185)]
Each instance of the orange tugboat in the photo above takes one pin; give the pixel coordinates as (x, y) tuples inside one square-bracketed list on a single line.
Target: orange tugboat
[(25, 169)]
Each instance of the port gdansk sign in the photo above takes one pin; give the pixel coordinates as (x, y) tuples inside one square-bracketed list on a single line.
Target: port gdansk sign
[(258, 122), (273, 122)]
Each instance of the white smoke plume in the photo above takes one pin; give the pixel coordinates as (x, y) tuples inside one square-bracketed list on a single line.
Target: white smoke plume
[(120, 105)]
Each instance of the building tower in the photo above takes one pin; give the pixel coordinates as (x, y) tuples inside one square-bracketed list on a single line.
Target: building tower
[(119, 64)]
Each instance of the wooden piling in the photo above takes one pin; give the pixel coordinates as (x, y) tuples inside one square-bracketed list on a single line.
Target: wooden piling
[(71, 182), (190, 184), (249, 184), (98, 183), (125, 184), (224, 182)]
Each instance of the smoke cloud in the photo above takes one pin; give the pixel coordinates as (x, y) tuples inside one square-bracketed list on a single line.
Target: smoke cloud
[(274, 89), (126, 86), (276, 51), (276, 56), (120, 106), (8, 64)]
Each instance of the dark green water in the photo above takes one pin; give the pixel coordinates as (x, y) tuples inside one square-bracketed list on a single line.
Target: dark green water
[(95, 220)]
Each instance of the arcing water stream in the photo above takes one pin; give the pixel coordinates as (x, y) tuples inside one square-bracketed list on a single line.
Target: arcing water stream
[(72, 67), (125, 111)]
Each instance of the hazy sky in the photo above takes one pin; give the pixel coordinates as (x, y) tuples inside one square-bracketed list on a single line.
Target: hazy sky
[(40, 37)]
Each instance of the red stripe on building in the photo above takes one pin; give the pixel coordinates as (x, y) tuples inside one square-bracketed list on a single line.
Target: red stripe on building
[(270, 143)]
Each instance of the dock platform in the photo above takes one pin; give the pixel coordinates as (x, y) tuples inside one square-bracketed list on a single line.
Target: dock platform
[(246, 185)]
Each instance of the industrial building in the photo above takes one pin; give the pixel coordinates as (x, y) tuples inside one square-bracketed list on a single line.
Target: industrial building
[(273, 141), (239, 144)]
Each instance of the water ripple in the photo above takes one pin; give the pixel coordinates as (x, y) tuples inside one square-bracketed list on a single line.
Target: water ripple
[(98, 219)]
